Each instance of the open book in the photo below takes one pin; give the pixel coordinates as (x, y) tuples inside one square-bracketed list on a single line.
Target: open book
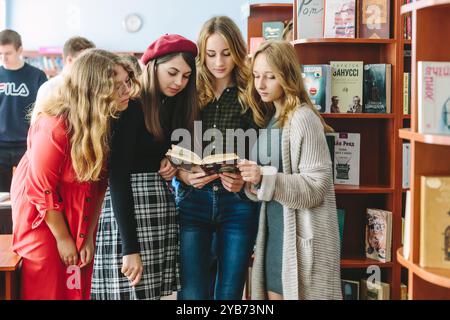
[(186, 160)]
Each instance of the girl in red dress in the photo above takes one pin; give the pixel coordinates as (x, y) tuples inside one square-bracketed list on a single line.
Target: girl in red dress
[(59, 185)]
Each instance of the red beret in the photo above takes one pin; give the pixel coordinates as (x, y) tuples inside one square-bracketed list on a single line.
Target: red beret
[(166, 44)]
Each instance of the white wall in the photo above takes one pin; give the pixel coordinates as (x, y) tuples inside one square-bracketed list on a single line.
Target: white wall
[(51, 22)]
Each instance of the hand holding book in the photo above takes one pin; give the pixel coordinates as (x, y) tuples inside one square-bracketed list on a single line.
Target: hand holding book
[(187, 160)]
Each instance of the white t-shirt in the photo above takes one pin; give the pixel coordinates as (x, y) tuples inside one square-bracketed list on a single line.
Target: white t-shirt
[(44, 92)]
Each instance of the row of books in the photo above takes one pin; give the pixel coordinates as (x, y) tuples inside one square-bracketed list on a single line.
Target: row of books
[(349, 87), (434, 222), (343, 19), (369, 290), (46, 63)]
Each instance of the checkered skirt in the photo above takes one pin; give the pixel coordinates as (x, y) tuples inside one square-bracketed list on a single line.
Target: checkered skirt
[(157, 229)]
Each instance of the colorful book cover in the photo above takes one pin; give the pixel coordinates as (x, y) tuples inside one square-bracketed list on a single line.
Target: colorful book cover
[(377, 88), (378, 234), (406, 165), (406, 93), (346, 158), (272, 30), (350, 289), (341, 222), (435, 222), (310, 19), (346, 86), (375, 290), (317, 81), (374, 19), (434, 97), (339, 19)]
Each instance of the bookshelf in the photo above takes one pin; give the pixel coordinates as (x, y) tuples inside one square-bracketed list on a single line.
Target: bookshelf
[(51, 62), (381, 147), (263, 12), (430, 154)]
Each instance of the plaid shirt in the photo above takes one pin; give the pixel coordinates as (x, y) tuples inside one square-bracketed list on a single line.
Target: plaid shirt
[(226, 113)]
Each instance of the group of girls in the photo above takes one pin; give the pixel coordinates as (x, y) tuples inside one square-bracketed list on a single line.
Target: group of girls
[(99, 212)]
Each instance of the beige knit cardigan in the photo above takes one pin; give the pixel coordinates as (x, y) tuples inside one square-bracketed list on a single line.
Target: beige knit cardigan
[(311, 249)]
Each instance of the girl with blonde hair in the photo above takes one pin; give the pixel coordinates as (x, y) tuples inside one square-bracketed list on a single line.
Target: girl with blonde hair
[(216, 218), (298, 213), (59, 185)]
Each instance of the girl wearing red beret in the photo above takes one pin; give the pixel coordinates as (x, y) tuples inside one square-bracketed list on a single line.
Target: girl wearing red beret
[(217, 221), (59, 185), (137, 243)]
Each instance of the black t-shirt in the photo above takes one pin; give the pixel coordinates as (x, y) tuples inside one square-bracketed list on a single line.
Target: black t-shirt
[(133, 150), (18, 89)]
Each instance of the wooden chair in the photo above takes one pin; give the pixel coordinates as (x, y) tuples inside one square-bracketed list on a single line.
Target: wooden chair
[(9, 269)]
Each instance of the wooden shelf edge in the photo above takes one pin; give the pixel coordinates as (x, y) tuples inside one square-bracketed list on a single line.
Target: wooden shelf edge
[(359, 263), (439, 277), (343, 41), (424, 138), (422, 4), (358, 115), (346, 189), (271, 5)]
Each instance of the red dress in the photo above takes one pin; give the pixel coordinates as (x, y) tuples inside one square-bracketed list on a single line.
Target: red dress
[(45, 180)]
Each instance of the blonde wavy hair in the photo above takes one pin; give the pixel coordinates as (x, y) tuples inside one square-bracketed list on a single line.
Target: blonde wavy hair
[(230, 32), (283, 61), (86, 102)]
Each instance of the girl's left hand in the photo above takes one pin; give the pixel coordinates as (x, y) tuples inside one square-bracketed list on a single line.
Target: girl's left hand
[(166, 170), (232, 182), (87, 252), (250, 171)]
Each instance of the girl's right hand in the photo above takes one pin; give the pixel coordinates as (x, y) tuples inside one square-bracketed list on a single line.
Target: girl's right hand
[(67, 251), (132, 268), (198, 179)]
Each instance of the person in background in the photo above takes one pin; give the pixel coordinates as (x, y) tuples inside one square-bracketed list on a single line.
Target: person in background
[(137, 254), (58, 187), (297, 253), (19, 83), (134, 63), (216, 218), (71, 50)]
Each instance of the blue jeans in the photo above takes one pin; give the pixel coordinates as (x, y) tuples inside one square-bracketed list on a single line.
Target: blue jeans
[(233, 220)]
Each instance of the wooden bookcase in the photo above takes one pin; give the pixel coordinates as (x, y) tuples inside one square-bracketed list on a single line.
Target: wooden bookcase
[(381, 148), (430, 154), (263, 12)]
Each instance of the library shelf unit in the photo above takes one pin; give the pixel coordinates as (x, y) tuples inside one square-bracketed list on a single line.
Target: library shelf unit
[(430, 154), (381, 147), (262, 12)]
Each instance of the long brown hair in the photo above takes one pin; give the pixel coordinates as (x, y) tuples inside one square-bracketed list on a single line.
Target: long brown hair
[(184, 103), (282, 59), (86, 101), (230, 32)]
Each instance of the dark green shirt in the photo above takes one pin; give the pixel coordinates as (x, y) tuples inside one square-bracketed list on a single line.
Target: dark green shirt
[(222, 114)]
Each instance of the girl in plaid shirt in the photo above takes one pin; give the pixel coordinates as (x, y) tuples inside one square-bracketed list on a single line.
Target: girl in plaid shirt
[(217, 221)]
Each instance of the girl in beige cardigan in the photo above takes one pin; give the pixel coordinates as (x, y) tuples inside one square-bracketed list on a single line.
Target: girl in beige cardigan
[(310, 265)]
